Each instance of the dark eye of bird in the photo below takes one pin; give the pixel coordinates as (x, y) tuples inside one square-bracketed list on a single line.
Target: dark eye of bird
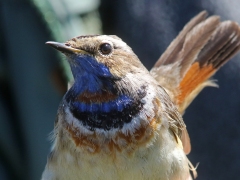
[(105, 48)]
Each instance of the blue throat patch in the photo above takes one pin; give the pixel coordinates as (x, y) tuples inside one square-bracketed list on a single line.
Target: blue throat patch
[(89, 75), (95, 78)]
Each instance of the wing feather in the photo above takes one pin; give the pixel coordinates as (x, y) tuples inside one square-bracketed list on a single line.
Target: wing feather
[(200, 49)]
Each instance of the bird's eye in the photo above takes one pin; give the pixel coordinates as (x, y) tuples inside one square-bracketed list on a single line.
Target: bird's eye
[(105, 48)]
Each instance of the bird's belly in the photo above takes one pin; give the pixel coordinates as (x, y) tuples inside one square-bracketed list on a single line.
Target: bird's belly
[(162, 160)]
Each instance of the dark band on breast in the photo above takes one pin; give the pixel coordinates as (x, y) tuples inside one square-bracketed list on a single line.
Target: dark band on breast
[(118, 111)]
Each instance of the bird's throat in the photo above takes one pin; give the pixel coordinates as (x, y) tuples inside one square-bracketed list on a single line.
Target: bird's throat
[(105, 109)]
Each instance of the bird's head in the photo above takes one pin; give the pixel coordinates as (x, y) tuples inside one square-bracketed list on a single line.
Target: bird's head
[(98, 59), (110, 81)]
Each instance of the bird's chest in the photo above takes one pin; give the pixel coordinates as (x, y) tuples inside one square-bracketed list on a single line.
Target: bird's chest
[(159, 160)]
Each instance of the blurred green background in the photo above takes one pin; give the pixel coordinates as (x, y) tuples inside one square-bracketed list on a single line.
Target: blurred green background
[(33, 77)]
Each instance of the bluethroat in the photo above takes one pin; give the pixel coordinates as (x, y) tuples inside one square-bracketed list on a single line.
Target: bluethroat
[(120, 121)]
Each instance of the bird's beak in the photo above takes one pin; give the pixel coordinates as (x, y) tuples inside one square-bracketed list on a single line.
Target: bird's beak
[(66, 49)]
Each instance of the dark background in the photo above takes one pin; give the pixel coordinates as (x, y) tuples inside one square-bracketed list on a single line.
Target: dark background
[(32, 81)]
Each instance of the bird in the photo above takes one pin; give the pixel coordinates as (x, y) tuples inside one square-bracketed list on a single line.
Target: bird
[(119, 120)]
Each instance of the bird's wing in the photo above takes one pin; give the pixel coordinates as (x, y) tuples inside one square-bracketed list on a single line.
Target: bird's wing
[(199, 50)]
